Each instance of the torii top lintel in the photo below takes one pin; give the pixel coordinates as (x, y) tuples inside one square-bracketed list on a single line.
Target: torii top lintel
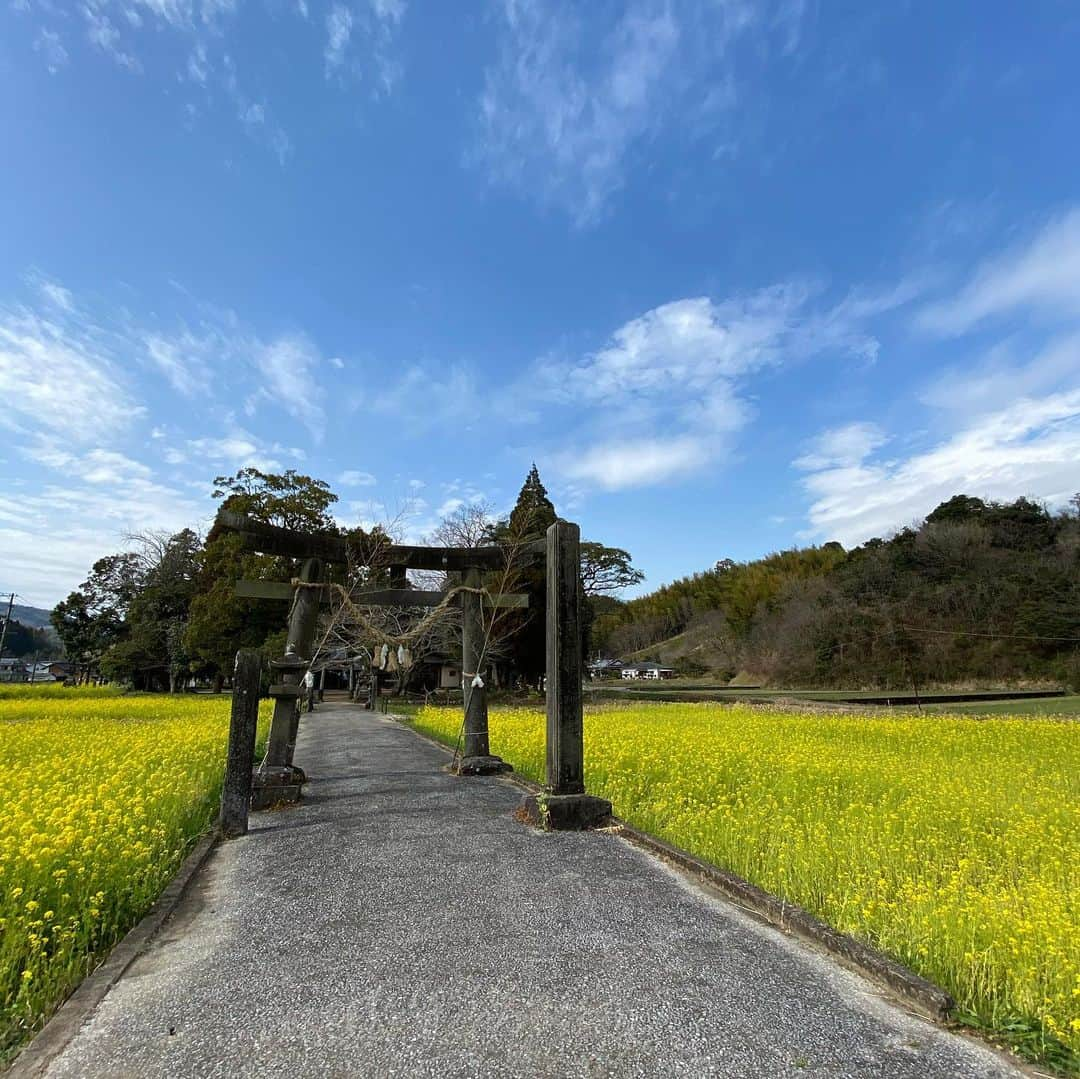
[(272, 539)]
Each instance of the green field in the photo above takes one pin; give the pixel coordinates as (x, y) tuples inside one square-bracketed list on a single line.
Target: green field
[(953, 844)]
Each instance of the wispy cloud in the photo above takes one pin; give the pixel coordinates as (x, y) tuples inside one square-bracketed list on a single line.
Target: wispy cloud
[(289, 365), (1039, 276), (339, 24), (50, 46), (78, 381), (61, 376), (568, 102), (369, 30)]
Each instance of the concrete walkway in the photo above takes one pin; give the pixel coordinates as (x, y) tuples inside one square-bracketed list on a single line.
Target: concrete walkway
[(401, 922)]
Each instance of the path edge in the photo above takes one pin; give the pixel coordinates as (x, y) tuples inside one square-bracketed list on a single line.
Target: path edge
[(66, 1022), (927, 998)]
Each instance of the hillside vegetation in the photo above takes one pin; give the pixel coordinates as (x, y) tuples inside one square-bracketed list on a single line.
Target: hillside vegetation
[(980, 591)]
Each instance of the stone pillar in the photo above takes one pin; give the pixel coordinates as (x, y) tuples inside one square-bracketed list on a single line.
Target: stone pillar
[(276, 779), (477, 759), (236, 790), (302, 622), (564, 803)]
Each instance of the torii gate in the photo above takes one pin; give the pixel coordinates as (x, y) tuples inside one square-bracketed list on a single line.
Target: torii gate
[(564, 802)]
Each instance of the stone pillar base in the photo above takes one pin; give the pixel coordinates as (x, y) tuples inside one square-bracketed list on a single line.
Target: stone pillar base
[(276, 786), (566, 812), (483, 766)]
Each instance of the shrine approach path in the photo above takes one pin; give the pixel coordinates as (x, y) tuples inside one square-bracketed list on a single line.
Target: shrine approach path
[(402, 922)]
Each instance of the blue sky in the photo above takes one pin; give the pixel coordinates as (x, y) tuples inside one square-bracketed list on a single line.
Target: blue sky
[(737, 276)]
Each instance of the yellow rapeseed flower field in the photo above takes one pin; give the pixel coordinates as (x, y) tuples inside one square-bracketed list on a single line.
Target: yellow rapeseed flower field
[(952, 844), (102, 798)]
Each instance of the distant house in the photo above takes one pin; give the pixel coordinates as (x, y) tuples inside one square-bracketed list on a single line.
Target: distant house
[(438, 670), (648, 670), (40, 673), (61, 669), (605, 668), (14, 670)]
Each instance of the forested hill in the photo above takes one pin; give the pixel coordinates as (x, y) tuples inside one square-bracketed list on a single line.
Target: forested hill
[(980, 591), (32, 617)]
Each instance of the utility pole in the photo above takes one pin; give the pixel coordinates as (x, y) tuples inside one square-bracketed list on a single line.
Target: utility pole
[(7, 619)]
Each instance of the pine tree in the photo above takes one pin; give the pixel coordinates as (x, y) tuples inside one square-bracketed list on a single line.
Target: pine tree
[(533, 513)]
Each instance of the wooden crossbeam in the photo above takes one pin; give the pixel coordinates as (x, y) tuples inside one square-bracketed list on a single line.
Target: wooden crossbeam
[(376, 597), (271, 539), (264, 590)]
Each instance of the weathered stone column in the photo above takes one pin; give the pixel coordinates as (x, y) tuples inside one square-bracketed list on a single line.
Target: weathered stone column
[(277, 780), (477, 759), (302, 623), (236, 790), (373, 688), (564, 803)]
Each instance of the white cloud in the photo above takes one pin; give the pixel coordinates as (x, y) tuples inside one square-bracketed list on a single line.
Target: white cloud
[(99, 466), (102, 33), (1010, 370), (61, 377), (198, 67), (49, 45), (57, 295), (447, 398), (693, 343), (371, 28), (352, 478), (181, 359), (253, 115), (94, 504), (239, 448), (618, 465), (1041, 275), (339, 24), (842, 447), (566, 105), (367, 512), (669, 390), (1029, 448), (289, 364), (239, 451), (83, 505), (389, 10)]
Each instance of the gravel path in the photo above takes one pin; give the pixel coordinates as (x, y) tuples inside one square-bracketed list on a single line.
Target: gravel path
[(401, 922)]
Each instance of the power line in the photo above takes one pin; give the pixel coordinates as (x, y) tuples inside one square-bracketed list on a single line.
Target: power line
[(1001, 636)]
